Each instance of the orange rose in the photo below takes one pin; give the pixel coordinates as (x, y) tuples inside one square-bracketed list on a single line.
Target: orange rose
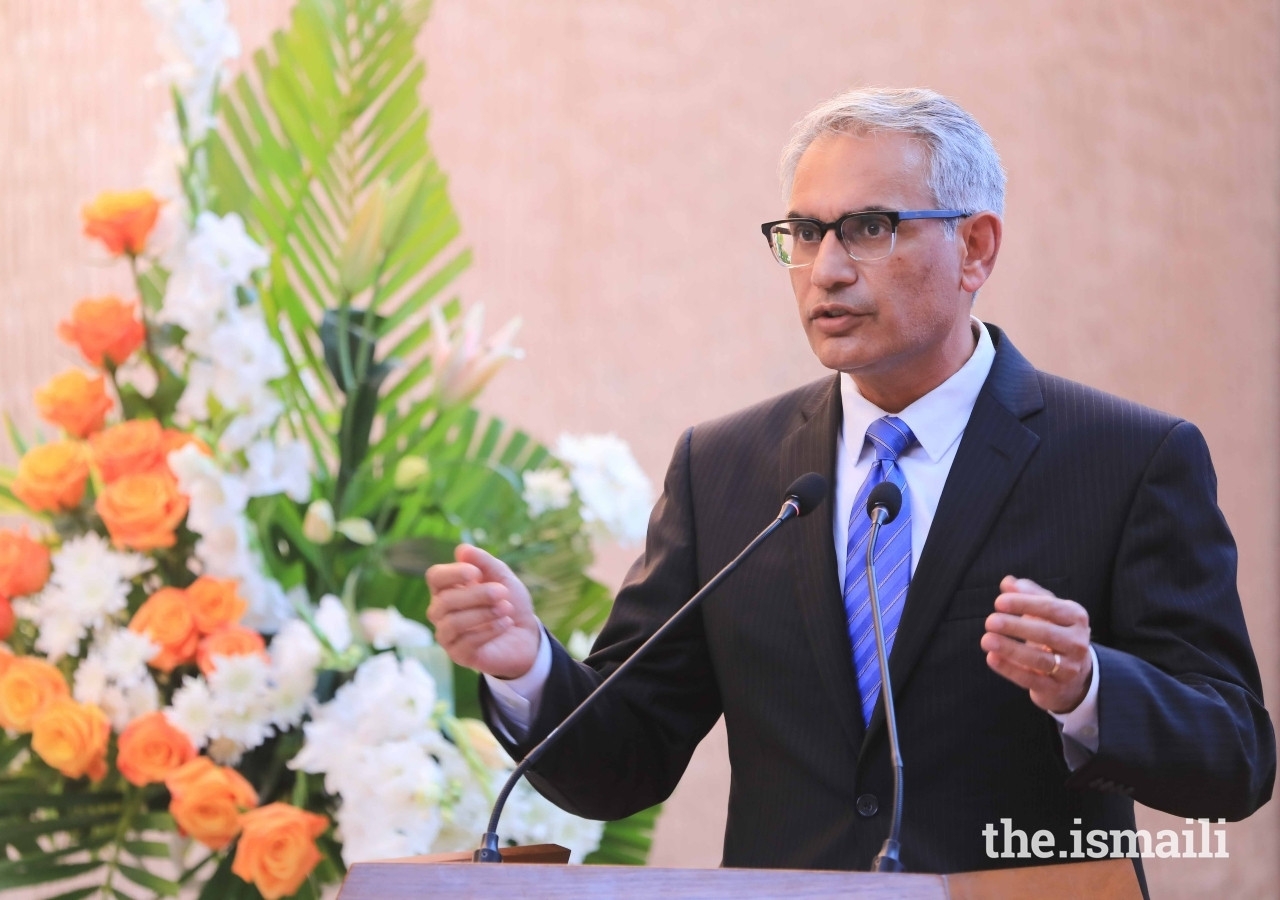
[(75, 402), (7, 619), (27, 687), (151, 749), (24, 565), (166, 618), (233, 640), (207, 801), (6, 660), (51, 477), (277, 848), (72, 738), (215, 602), (130, 448), (104, 329), (142, 512), (122, 220)]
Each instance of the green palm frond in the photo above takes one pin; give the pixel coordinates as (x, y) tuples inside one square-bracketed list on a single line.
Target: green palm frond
[(328, 115)]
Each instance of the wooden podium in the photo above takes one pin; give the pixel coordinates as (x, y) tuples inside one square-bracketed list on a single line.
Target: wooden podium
[(450, 875)]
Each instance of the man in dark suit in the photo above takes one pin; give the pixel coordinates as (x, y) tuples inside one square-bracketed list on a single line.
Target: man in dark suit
[(1060, 599)]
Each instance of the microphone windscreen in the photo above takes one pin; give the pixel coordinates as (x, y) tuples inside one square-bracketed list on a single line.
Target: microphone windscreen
[(885, 495), (808, 490)]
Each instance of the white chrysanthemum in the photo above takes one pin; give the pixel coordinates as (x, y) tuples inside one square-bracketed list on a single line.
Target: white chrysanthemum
[(88, 588), (191, 710), (91, 556), (125, 654), (616, 494), (387, 629), (60, 634), (90, 681), (240, 696), (122, 704), (546, 490)]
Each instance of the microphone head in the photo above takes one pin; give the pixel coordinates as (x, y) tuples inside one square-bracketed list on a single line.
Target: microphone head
[(808, 491), (886, 496)]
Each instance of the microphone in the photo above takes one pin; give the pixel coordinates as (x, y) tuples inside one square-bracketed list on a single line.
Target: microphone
[(886, 499), (883, 505), (804, 494)]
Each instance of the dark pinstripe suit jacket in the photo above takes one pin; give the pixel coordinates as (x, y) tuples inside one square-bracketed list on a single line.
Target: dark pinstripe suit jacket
[(1100, 500)]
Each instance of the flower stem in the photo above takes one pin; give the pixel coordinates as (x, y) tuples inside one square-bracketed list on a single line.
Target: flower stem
[(133, 798)]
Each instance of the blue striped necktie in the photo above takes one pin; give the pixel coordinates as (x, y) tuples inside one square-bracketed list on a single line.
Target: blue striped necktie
[(889, 437)]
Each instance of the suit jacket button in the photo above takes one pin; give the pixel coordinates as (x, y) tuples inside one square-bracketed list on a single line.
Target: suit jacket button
[(868, 805)]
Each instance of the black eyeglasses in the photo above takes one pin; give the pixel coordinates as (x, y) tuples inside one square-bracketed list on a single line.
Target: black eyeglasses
[(866, 236)]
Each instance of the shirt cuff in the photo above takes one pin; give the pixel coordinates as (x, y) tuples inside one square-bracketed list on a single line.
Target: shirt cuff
[(516, 700), (1079, 728)]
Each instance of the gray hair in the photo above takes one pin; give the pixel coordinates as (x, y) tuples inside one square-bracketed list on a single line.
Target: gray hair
[(964, 169)]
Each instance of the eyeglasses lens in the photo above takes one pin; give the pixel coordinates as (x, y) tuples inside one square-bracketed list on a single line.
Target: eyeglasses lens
[(866, 236)]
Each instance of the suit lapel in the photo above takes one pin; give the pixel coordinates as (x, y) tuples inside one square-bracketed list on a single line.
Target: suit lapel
[(812, 448), (992, 454)]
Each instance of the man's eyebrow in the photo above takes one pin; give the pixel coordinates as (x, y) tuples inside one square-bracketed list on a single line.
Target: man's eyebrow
[(875, 207)]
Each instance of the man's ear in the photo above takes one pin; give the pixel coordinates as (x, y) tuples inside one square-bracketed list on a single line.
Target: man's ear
[(978, 238)]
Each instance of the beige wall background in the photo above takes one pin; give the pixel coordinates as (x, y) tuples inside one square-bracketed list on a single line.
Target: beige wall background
[(611, 161)]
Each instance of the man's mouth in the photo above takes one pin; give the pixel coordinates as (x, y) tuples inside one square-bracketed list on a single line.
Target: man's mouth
[(833, 311), (836, 319)]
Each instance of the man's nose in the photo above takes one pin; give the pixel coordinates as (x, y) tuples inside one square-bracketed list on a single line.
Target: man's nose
[(833, 265)]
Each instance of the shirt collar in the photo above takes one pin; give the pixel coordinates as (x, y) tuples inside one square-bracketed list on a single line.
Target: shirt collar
[(938, 418)]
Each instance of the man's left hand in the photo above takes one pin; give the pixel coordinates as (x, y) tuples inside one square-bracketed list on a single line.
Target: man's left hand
[(1040, 642)]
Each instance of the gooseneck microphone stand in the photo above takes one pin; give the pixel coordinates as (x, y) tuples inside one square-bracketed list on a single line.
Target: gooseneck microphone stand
[(802, 496), (883, 505)]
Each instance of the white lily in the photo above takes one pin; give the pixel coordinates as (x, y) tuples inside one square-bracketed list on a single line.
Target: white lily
[(461, 363)]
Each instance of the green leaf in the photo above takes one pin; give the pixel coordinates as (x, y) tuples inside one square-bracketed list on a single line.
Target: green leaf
[(15, 438), (154, 821), (59, 872), (223, 885), (33, 859), (77, 894), (153, 849), (10, 831), (20, 798), (626, 842), (143, 878)]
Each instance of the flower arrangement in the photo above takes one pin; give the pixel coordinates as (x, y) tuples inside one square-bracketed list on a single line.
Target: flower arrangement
[(212, 613)]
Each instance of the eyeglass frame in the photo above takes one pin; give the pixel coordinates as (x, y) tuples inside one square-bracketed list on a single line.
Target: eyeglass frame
[(895, 217)]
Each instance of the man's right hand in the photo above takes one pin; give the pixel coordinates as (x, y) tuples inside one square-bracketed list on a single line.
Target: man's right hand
[(483, 614)]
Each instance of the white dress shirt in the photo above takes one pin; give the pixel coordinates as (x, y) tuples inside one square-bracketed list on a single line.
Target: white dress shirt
[(937, 420)]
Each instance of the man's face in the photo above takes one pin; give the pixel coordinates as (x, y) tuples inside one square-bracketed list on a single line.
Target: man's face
[(899, 325)]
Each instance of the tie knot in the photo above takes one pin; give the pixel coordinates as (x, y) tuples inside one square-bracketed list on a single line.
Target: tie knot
[(889, 436)]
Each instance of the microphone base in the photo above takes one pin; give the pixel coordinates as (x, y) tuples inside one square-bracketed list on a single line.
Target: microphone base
[(489, 852), (887, 860)]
